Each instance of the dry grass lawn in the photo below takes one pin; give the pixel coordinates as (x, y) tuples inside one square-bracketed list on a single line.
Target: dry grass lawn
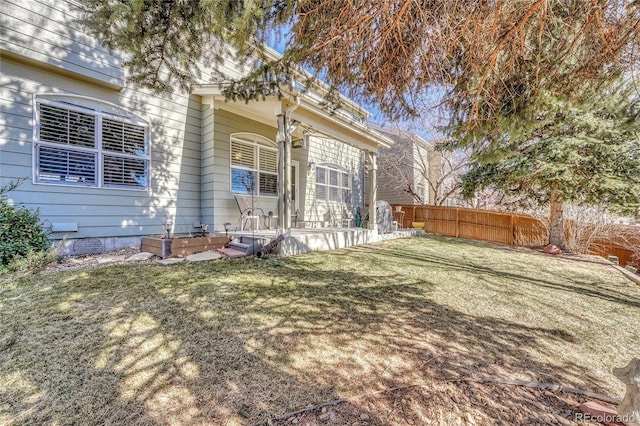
[(238, 342)]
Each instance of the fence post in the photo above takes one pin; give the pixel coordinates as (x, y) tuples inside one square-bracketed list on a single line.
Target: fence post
[(426, 218), (513, 229), (457, 222)]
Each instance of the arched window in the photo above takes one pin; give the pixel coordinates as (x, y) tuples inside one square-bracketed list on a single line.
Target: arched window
[(86, 142), (333, 183), (254, 165)]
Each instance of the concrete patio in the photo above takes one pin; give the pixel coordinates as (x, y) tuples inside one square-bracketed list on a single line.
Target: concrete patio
[(305, 240)]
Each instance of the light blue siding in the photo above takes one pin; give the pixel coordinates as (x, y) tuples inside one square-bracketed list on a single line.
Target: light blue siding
[(40, 31), (41, 52), (44, 53), (322, 150), (226, 123)]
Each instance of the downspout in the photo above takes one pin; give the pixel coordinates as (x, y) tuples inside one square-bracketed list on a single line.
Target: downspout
[(373, 188), (363, 187)]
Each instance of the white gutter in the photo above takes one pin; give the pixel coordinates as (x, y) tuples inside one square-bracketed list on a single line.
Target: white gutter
[(320, 86), (303, 102), (352, 126)]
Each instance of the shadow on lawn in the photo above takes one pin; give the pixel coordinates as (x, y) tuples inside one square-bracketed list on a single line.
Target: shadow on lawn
[(226, 343), (136, 356)]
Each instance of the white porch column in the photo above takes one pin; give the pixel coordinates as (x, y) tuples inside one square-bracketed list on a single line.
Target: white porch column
[(284, 173), (281, 171), (287, 175), (373, 188)]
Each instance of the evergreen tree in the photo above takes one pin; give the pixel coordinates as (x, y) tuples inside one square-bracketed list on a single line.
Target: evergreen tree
[(479, 54), (560, 150), (166, 43)]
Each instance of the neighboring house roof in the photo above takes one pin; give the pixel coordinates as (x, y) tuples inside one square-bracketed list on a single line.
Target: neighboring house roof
[(398, 136)]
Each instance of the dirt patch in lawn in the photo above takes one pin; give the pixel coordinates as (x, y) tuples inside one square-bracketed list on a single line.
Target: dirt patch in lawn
[(449, 404)]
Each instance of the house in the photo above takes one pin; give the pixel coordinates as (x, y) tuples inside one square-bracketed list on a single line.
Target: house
[(108, 163), (411, 170)]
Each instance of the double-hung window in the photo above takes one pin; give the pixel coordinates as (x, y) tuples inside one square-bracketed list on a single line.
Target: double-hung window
[(254, 166), (84, 146), (333, 184)]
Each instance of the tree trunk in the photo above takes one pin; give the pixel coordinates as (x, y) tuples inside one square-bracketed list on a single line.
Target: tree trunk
[(556, 226)]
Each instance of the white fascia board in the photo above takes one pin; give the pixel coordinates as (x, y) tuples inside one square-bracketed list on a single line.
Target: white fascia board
[(320, 87), (310, 112), (351, 132), (206, 90)]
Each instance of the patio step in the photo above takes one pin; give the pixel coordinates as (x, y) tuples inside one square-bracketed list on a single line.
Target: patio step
[(239, 246), (246, 245)]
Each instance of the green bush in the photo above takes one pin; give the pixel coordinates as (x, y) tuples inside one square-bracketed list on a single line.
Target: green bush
[(21, 231), (33, 261)]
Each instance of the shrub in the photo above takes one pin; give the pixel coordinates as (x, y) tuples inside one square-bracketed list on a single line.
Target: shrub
[(21, 232), (32, 262), (592, 230)]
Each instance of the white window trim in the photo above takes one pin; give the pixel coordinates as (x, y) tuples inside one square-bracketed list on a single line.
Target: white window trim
[(328, 167), (84, 104), (258, 142)]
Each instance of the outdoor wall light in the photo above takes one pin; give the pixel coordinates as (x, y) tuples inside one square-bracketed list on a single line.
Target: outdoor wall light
[(312, 165), (167, 225), (227, 226)]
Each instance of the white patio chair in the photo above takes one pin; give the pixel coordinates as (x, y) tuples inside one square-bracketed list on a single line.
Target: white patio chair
[(347, 218), (249, 212)]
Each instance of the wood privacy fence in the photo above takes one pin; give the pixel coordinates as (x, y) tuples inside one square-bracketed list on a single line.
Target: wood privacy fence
[(507, 228), (622, 241)]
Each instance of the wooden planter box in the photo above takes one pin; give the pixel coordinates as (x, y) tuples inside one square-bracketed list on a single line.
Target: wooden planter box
[(181, 246), (156, 245), (186, 245)]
